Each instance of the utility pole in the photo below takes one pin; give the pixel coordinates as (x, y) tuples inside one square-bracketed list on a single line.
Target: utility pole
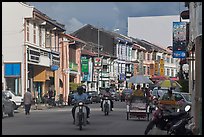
[(98, 68)]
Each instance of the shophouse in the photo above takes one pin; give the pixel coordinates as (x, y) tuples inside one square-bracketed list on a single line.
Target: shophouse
[(35, 38)]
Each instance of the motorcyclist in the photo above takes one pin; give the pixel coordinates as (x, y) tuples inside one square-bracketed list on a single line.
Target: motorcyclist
[(107, 94), (80, 96), (169, 95)]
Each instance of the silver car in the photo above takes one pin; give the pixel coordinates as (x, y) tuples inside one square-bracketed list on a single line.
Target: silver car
[(7, 106)]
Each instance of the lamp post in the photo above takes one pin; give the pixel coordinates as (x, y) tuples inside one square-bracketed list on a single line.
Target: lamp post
[(98, 68)]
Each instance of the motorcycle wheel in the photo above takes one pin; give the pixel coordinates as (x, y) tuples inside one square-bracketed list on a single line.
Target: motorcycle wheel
[(80, 122), (149, 127)]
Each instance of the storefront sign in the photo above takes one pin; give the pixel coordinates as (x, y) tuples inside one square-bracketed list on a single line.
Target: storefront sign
[(12, 69), (97, 62), (73, 66), (54, 67), (122, 77)]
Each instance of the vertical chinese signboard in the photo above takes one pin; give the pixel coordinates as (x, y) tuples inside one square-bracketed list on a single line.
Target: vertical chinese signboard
[(179, 39), (161, 67), (156, 67)]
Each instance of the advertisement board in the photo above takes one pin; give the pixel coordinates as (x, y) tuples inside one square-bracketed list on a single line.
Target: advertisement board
[(179, 39), (84, 64)]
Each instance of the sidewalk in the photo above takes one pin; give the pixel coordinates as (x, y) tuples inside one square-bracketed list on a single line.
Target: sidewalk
[(39, 107)]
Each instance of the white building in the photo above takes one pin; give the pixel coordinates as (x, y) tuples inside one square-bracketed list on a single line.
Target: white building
[(30, 48)]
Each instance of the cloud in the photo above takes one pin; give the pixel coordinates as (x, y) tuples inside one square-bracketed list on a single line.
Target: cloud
[(109, 15), (73, 24)]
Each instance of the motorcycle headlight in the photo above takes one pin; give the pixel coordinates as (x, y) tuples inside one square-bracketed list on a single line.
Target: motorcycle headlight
[(80, 103)]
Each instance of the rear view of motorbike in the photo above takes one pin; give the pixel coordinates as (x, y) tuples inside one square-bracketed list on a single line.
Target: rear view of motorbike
[(106, 106)]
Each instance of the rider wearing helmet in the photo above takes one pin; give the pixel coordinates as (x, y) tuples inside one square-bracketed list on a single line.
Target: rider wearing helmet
[(107, 94), (80, 96)]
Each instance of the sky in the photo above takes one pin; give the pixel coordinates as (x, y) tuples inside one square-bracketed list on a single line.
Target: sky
[(111, 16)]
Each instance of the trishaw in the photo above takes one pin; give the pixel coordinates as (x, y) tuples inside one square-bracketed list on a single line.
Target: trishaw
[(138, 108)]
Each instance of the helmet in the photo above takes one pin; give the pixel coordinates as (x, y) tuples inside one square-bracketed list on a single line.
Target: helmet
[(80, 90)]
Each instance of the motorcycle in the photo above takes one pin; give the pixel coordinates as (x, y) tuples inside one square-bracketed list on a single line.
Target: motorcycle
[(106, 106), (81, 119), (180, 128), (164, 119)]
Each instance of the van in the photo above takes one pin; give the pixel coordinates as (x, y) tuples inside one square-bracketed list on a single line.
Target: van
[(16, 100)]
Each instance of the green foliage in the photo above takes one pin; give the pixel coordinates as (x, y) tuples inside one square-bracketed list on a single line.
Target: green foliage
[(73, 86), (185, 85)]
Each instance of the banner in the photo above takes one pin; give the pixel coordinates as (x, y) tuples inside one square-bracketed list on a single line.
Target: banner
[(179, 39)]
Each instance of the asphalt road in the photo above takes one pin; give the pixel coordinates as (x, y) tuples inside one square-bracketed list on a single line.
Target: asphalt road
[(58, 121)]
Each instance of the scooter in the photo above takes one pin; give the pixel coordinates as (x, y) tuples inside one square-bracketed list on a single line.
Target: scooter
[(106, 106), (81, 118), (180, 128), (164, 119)]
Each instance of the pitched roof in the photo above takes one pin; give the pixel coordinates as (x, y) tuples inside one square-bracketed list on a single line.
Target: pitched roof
[(89, 53)]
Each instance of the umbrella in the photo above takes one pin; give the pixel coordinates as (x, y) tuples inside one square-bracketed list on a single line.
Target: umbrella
[(168, 84), (140, 79)]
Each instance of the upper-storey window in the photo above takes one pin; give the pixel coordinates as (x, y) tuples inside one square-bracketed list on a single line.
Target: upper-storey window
[(148, 56), (144, 56), (40, 36), (172, 60), (27, 30), (34, 33)]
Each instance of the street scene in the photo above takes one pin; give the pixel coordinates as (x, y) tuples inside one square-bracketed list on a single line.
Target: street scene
[(72, 68), (58, 121)]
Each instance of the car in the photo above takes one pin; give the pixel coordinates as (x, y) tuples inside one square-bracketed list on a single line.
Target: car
[(185, 97), (17, 100), (95, 96), (7, 105), (158, 93), (180, 97)]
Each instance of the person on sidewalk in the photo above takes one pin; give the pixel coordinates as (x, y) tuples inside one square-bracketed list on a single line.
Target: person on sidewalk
[(27, 101)]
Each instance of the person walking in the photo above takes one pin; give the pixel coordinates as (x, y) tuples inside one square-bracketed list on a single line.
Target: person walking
[(27, 101)]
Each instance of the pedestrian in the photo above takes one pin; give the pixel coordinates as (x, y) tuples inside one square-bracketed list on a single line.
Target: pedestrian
[(27, 101)]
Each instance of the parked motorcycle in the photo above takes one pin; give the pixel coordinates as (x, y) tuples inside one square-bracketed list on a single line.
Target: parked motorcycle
[(81, 119), (164, 119), (106, 106), (180, 128)]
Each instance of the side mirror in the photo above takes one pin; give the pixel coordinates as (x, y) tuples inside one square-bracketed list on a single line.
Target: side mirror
[(187, 108)]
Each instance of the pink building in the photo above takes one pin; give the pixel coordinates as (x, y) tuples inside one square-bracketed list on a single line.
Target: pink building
[(70, 63)]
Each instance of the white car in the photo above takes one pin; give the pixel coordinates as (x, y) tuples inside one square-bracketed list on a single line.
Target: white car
[(7, 106), (16, 100)]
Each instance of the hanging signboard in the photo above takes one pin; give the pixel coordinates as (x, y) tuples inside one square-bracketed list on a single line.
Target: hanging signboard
[(179, 39), (97, 62), (84, 64)]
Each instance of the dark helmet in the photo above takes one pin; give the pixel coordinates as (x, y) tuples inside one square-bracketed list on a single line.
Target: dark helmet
[(80, 90), (107, 89), (170, 91)]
